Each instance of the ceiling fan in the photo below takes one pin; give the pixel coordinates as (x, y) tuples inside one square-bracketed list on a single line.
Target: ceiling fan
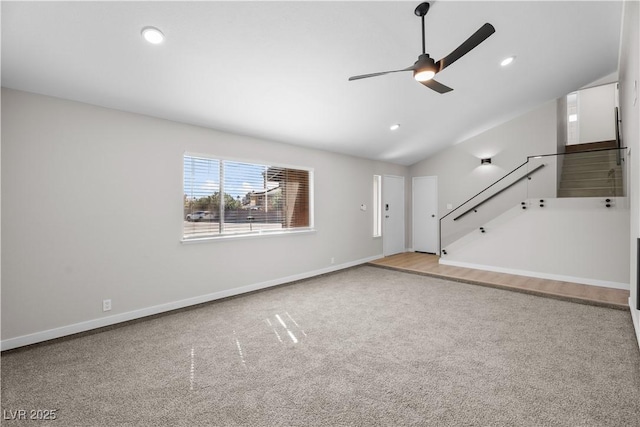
[(425, 68)]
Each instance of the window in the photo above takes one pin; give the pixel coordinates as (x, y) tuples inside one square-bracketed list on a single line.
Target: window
[(377, 206), (223, 197)]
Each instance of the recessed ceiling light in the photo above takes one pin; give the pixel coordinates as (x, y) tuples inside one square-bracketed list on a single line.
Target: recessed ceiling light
[(507, 61), (394, 127), (152, 35)]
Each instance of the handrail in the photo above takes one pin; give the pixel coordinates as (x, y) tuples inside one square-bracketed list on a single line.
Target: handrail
[(482, 191), (498, 192)]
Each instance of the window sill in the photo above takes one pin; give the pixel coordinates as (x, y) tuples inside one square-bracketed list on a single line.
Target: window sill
[(248, 236)]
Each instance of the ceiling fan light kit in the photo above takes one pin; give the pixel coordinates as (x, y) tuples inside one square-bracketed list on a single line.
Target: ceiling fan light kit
[(424, 75), (425, 68)]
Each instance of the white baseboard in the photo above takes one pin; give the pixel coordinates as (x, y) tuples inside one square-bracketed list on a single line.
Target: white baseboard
[(635, 319), (539, 275), (88, 325)]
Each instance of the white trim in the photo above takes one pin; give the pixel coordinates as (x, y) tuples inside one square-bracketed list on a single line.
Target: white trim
[(635, 319), (88, 325), (253, 235), (560, 277)]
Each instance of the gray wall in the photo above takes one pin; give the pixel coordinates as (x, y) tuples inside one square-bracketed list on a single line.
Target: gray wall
[(630, 116), (458, 168), (550, 242), (596, 114), (92, 209)]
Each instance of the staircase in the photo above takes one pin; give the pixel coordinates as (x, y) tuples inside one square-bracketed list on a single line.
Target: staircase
[(590, 173)]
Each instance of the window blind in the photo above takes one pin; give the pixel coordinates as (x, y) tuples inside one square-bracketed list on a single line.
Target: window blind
[(223, 197)]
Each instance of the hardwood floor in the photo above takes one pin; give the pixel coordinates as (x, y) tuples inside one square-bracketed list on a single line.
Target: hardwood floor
[(585, 294)]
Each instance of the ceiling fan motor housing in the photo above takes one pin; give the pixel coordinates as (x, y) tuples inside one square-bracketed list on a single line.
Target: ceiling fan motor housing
[(424, 68)]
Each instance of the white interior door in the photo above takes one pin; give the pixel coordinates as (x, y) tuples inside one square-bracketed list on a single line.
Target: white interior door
[(425, 214), (393, 214)]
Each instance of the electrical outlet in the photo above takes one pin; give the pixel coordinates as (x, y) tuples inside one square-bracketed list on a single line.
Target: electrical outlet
[(333, 260), (106, 305)]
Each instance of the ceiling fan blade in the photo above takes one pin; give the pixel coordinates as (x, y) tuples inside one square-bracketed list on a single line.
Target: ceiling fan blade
[(478, 37), (364, 76), (437, 86)]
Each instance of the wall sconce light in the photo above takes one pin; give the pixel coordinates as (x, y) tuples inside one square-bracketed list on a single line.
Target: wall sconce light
[(486, 161)]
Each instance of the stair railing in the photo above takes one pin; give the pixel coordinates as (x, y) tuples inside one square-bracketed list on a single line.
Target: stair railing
[(538, 189), (527, 174)]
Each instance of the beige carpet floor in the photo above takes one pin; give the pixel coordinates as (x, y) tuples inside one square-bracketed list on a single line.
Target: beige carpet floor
[(364, 346)]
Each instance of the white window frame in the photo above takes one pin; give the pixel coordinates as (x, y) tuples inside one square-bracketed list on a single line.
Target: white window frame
[(258, 233), (377, 206)]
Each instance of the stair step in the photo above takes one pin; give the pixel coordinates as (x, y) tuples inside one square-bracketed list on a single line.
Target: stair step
[(592, 183), (595, 158), (590, 174), (581, 167), (590, 146), (591, 153), (590, 192)]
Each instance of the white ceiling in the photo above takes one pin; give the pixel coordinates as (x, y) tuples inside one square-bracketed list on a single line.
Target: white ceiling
[(278, 70)]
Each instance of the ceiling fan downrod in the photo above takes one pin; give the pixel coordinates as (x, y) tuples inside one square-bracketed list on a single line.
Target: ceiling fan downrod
[(421, 11)]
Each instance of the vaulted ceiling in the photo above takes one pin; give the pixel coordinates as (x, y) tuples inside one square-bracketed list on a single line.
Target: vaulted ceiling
[(279, 70)]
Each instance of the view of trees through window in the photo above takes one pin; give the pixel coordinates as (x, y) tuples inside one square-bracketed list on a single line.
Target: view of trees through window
[(227, 197)]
